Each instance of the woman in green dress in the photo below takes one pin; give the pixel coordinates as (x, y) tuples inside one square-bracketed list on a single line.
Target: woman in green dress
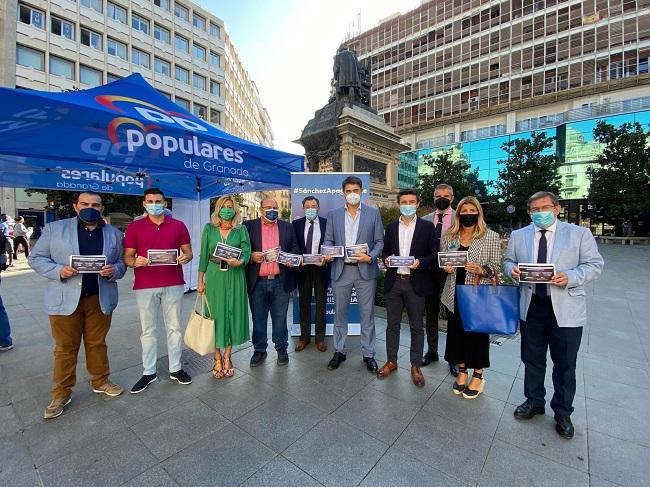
[(224, 282)]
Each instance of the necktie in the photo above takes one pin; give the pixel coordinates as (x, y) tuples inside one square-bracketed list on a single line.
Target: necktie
[(439, 225), (542, 289), (310, 238)]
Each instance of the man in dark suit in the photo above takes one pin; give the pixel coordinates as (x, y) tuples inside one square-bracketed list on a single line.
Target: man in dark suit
[(269, 283), (310, 232), (406, 287)]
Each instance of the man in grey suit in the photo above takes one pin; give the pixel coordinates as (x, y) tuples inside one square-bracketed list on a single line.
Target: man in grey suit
[(79, 305), (354, 224), (552, 314)]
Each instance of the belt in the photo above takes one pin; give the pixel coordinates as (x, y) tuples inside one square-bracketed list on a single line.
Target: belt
[(274, 276), (404, 276), (351, 263)]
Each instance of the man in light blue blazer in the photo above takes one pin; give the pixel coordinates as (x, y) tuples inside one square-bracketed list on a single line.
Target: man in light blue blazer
[(79, 304), (553, 314), (354, 224)]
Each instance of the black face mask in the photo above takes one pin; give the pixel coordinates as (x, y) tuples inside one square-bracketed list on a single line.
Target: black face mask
[(442, 203), (468, 220)]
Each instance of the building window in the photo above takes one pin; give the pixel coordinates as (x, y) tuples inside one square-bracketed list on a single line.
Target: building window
[(215, 117), (62, 28), (215, 59), (185, 104), (139, 57), (116, 12), (215, 31), (181, 43), (91, 38), (31, 16), (215, 88), (198, 22), (89, 76), (163, 4), (96, 5), (166, 95), (112, 77), (181, 12), (161, 66), (199, 81), (117, 49), (61, 67), (161, 34), (139, 23), (198, 51), (182, 75), (199, 111), (31, 58)]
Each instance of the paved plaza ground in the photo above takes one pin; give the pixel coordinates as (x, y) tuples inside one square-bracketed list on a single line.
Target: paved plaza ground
[(303, 425)]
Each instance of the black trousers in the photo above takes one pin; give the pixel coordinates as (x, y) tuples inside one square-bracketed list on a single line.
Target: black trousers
[(432, 309), (471, 349), (399, 297), (310, 279), (540, 333), (25, 244)]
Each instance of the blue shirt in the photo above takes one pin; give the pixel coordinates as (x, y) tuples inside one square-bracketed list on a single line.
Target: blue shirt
[(4, 226), (91, 242)]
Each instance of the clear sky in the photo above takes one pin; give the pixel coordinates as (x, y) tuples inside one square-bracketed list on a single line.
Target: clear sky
[(288, 47)]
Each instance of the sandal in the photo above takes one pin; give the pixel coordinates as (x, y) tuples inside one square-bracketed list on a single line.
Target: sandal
[(459, 388), (474, 393), (229, 369), (217, 369)]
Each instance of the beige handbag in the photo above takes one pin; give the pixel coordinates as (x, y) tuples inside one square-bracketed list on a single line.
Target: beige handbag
[(199, 333)]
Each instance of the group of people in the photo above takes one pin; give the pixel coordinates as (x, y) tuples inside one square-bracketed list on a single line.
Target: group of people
[(16, 235), (552, 315)]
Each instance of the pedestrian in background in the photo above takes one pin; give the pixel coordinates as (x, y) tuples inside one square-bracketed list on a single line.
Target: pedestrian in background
[(21, 237), (224, 282), (468, 350)]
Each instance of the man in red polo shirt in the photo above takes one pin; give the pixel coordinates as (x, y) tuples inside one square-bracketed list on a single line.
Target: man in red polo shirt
[(158, 284)]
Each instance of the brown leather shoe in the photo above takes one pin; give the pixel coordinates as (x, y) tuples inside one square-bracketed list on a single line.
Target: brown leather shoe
[(321, 346), (386, 370), (416, 375), (301, 345)]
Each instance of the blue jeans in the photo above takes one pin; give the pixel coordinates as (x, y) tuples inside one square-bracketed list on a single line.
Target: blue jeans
[(268, 296), (170, 299), (5, 329)]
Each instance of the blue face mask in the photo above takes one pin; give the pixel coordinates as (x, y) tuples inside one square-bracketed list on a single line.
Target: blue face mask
[(407, 210), (271, 215), (155, 209), (543, 219), (311, 213), (89, 215)]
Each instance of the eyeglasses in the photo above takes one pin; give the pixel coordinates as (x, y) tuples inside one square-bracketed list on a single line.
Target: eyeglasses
[(543, 208)]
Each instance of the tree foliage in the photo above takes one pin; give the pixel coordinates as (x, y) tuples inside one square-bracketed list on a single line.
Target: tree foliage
[(527, 170), (620, 182), (61, 202), (388, 214)]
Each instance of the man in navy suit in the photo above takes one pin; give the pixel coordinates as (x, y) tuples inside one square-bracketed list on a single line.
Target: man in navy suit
[(269, 283), (355, 224), (310, 232), (407, 287)]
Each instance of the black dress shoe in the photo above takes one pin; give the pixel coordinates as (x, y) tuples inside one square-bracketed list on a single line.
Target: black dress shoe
[(371, 364), (283, 357), (257, 358), (453, 370), (429, 357), (336, 360), (564, 427), (527, 410)]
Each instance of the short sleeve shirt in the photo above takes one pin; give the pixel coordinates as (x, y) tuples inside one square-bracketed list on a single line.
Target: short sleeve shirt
[(144, 235)]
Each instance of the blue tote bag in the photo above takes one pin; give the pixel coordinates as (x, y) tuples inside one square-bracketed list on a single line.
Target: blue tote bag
[(488, 309)]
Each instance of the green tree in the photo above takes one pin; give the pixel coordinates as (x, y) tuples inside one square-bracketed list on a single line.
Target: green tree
[(285, 214), (61, 202), (620, 182), (529, 168), (388, 214)]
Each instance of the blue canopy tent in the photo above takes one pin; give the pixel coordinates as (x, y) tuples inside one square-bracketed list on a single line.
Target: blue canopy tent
[(124, 137)]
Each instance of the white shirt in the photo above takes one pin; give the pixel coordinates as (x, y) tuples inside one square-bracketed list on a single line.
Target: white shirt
[(315, 243), (406, 232), (351, 229), (550, 239)]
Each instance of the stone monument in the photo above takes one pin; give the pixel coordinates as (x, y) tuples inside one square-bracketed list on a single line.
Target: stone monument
[(347, 135)]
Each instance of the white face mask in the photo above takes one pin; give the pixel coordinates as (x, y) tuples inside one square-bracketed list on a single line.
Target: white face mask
[(353, 198)]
